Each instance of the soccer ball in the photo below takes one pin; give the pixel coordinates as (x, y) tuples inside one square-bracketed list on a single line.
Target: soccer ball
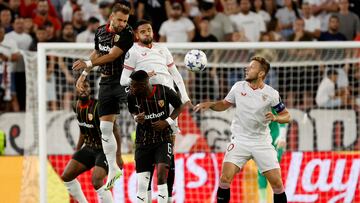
[(195, 60)]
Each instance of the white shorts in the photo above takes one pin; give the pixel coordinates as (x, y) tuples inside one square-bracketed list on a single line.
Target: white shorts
[(263, 153)]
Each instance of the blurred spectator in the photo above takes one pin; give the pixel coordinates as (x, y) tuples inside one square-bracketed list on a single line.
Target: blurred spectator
[(155, 11), (220, 24), (239, 35), (78, 21), (287, 16), (22, 39), (191, 8), (28, 8), (349, 21), (29, 27), (58, 5), (42, 16), (5, 20), (65, 82), (41, 35), (203, 34), (105, 10), (67, 34), (9, 54), (230, 7), (299, 32), (258, 7), (321, 9), (270, 7), (14, 5), (328, 95), (3, 5), (178, 28), (89, 34), (333, 33), (50, 29), (273, 28), (91, 9), (250, 23), (68, 9), (312, 24), (205, 84)]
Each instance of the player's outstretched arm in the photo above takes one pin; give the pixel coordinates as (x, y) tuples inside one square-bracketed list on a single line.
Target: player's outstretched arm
[(215, 106), (179, 83)]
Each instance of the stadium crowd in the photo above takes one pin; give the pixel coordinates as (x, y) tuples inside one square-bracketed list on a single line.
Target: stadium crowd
[(24, 23)]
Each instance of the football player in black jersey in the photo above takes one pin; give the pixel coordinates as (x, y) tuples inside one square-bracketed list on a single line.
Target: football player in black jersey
[(89, 152), (150, 105), (112, 41)]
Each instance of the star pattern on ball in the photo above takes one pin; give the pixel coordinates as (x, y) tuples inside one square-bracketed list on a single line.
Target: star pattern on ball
[(198, 55), (190, 65)]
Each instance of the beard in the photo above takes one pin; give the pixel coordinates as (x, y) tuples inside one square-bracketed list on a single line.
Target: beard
[(147, 41)]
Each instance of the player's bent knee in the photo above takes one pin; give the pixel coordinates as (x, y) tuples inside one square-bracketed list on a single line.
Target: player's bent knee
[(226, 178), (97, 182), (277, 186)]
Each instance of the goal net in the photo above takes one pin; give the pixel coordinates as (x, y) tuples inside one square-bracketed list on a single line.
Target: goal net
[(318, 82)]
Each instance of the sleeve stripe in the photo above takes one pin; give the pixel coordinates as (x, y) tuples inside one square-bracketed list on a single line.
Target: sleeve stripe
[(171, 64), (129, 67)]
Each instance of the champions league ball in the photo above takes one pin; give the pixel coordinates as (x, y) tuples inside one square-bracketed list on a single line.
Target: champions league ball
[(195, 60)]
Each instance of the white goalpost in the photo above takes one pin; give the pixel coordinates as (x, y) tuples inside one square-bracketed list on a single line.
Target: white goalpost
[(297, 70)]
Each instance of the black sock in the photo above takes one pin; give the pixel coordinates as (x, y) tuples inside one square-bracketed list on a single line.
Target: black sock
[(280, 198), (223, 195), (171, 176)]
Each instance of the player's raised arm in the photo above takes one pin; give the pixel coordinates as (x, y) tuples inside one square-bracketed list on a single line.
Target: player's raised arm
[(215, 106)]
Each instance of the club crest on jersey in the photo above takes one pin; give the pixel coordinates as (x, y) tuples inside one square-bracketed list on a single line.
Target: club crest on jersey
[(90, 117), (161, 103), (116, 38), (264, 97), (243, 93), (127, 55)]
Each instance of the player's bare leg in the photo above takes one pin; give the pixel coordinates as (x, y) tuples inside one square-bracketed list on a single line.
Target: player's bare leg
[(228, 172), (109, 147), (72, 170), (162, 171), (274, 178), (98, 176)]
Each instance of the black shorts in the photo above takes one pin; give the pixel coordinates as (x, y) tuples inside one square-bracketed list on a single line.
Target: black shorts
[(111, 95), (91, 157), (147, 156)]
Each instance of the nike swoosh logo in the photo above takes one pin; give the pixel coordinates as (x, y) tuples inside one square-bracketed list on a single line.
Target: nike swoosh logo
[(105, 140), (162, 196), (142, 199)]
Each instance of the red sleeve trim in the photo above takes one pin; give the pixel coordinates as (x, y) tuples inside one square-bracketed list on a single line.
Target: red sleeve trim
[(171, 64), (129, 67)]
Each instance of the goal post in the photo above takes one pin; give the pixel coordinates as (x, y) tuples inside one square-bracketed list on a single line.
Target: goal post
[(298, 68)]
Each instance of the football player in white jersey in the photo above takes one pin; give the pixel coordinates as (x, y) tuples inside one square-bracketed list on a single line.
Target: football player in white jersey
[(158, 62), (253, 101)]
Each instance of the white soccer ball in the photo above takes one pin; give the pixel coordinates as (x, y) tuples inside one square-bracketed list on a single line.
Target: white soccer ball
[(195, 60)]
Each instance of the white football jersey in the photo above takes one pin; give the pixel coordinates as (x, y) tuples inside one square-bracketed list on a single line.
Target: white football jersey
[(157, 58), (250, 109)]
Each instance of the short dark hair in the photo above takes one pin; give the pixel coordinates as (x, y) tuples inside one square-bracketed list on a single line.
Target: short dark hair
[(140, 23), (93, 20), (263, 63), (139, 76), (120, 8), (334, 16), (331, 71)]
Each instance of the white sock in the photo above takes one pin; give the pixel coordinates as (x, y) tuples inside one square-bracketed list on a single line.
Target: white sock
[(149, 196), (262, 195), (75, 190), (143, 184), (109, 146), (105, 196), (169, 199), (163, 193)]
